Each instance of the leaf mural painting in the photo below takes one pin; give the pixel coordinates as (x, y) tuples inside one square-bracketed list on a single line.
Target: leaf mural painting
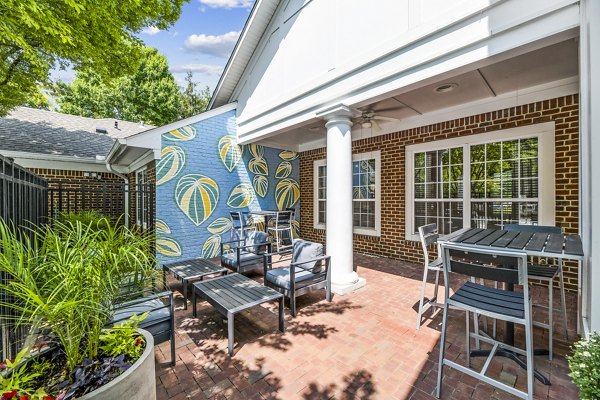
[(219, 225), (287, 193), (211, 247), (170, 165), (256, 150), (261, 185), (230, 152), (283, 170), (241, 196), (258, 166), (197, 196), (180, 134), (168, 247), (162, 228), (288, 155)]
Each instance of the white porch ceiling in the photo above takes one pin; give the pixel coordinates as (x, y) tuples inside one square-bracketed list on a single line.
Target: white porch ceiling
[(550, 64)]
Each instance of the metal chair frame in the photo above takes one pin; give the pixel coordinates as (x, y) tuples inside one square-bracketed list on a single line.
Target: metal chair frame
[(283, 223), (429, 236), (239, 227), (459, 259)]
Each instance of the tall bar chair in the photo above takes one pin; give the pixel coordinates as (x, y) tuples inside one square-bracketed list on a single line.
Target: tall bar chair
[(506, 305), (429, 235), (546, 273), (282, 224), (239, 228)]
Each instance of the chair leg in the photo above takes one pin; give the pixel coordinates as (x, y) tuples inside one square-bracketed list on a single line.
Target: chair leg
[(293, 304), (550, 318), (422, 298), (328, 292), (468, 348), (476, 330), (563, 302), (529, 350), (438, 389)]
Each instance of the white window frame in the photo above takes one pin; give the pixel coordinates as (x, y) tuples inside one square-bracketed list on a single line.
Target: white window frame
[(376, 155), (140, 219), (546, 169)]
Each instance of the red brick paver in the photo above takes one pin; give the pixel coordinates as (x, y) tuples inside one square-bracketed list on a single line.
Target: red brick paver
[(360, 346)]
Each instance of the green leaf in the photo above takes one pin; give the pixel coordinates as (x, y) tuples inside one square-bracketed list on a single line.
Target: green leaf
[(283, 170), (168, 247), (241, 196), (288, 155), (182, 134), (162, 227), (258, 166), (197, 196), (261, 185), (220, 225), (170, 165), (229, 152), (287, 193), (211, 247)]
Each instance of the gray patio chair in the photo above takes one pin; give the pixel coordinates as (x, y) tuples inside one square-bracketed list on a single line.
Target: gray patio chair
[(160, 307), (282, 225), (246, 254), (546, 273), (429, 235), (507, 305), (240, 227), (308, 270)]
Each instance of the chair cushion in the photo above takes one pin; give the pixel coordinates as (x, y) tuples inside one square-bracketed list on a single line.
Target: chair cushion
[(305, 251), (255, 237), (230, 259), (281, 277), (156, 311)]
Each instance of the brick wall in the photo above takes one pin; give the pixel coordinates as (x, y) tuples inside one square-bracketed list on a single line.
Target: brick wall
[(564, 111)]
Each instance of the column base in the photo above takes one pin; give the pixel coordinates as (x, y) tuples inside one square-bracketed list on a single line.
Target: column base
[(347, 288)]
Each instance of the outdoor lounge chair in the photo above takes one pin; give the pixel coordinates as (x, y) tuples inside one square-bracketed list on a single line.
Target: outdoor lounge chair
[(160, 321), (246, 254), (308, 270)]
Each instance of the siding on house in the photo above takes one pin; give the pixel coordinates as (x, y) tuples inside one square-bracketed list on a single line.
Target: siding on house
[(563, 111), (203, 174)]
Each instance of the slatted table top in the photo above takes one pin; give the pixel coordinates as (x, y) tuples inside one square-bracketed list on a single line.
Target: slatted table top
[(193, 268), (534, 244), (234, 293)]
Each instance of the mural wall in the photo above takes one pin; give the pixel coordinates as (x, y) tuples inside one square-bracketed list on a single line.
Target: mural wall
[(203, 174)]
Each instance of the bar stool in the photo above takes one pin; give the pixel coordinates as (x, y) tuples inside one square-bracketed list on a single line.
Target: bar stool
[(283, 223)]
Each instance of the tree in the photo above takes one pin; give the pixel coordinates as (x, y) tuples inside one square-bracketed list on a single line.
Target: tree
[(192, 101), (37, 36), (150, 94)]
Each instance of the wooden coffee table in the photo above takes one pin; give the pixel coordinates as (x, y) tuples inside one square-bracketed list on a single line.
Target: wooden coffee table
[(234, 293), (191, 270)]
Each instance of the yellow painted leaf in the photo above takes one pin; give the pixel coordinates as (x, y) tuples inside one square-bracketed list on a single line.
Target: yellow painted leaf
[(168, 247), (229, 152), (182, 134), (211, 247), (219, 225), (256, 150), (171, 163), (283, 170), (295, 229), (287, 193), (261, 185), (162, 227), (258, 166), (197, 196), (288, 155), (241, 196)]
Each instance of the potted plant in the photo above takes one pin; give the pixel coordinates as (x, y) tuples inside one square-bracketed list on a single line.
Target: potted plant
[(584, 364), (63, 283)]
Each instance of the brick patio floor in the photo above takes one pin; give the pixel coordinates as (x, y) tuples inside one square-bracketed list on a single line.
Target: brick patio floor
[(361, 346)]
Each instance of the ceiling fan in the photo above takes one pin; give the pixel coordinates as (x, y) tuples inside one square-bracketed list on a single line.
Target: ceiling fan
[(370, 117)]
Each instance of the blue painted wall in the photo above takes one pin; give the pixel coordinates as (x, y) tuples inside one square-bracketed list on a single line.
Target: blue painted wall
[(203, 174)]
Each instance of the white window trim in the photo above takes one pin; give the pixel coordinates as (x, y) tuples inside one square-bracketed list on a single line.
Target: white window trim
[(546, 175), (139, 218), (376, 155)]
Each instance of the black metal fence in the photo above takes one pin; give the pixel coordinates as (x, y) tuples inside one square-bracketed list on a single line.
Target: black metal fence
[(117, 200), (23, 204)]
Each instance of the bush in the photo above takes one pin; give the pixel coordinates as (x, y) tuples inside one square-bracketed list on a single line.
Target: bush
[(585, 367), (93, 219)]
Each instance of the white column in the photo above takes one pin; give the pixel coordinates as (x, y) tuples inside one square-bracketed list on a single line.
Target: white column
[(339, 201)]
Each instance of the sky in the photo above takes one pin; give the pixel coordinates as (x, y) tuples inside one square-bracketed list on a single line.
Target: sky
[(200, 41)]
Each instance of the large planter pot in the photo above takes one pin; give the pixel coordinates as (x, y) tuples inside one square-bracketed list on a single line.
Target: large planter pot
[(137, 383)]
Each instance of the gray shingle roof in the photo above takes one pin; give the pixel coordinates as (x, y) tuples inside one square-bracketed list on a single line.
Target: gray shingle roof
[(48, 132)]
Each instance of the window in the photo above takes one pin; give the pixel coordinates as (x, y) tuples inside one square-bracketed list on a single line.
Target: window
[(365, 193), (482, 181), (141, 200)]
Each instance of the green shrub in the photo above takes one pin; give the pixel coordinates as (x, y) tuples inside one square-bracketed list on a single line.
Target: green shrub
[(124, 339), (584, 364), (94, 219), (19, 382)]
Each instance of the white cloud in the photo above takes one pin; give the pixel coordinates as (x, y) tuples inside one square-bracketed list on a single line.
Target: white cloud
[(209, 69), (228, 4), (220, 46), (150, 30)]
